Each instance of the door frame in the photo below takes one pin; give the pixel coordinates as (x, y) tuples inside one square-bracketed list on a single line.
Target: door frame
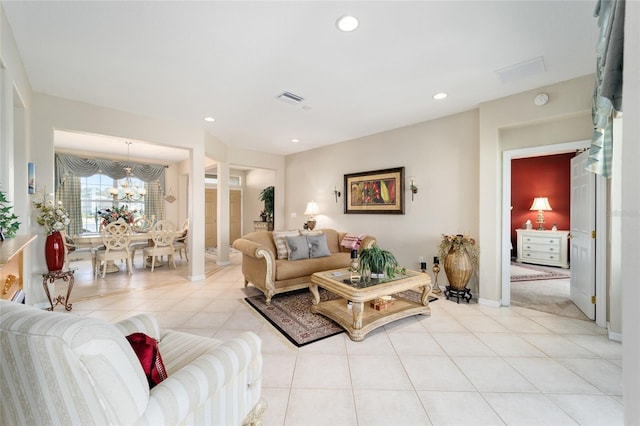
[(601, 222)]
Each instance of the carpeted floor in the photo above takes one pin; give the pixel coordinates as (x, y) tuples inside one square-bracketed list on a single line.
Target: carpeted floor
[(544, 291), (527, 272)]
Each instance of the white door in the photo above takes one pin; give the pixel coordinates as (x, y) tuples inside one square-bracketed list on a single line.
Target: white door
[(583, 225)]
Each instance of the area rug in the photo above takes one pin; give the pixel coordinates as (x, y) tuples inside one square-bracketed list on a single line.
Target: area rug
[(526, 272), (290, 314)]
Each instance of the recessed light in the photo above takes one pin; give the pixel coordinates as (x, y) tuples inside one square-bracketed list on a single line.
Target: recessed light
[(440, 96), (209, 119), (347, 23), (295, 140)]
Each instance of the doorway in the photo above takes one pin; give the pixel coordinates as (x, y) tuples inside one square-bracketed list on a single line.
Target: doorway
[(211, 216), (508, 156)]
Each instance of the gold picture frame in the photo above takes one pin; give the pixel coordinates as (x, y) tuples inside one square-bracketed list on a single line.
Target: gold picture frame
[(374, 192)]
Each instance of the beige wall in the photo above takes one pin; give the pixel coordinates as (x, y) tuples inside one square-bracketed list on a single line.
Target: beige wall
[(442, 157)]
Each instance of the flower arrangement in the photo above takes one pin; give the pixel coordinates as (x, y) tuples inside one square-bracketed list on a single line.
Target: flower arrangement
[(457, 242), (115, 213), (51, 214)]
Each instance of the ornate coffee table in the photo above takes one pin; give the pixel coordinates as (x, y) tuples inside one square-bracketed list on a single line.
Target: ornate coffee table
[(360, 318)]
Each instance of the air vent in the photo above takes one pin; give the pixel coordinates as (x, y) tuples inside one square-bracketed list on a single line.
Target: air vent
[(290, 98)]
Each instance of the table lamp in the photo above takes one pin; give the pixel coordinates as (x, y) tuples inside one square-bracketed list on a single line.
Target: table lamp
[(541, 204), (312, 208)]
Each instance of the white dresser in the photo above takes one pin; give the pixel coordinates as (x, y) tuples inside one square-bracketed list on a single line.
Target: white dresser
[(543, 247)]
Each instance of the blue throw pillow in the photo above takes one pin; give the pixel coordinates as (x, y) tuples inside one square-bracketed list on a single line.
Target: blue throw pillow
[(298, 247), (318, 246)]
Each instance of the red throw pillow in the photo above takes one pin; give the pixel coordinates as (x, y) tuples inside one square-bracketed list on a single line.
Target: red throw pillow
[(146, 348)]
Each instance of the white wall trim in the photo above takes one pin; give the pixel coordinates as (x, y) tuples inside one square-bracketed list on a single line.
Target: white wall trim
[(196, 277), (492, 303), (507, 156), (613, 335)]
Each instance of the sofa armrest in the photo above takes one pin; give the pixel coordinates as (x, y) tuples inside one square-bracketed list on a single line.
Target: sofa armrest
[(141, 323), (220, 386), (252, 248), (367, 242)]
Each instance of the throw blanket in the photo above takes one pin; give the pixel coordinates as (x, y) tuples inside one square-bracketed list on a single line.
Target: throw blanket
[(352, 242)]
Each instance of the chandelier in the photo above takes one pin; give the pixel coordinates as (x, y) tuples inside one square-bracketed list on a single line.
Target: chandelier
[(130, 192)]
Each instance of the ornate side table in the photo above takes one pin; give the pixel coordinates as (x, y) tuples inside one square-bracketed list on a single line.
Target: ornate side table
[(50, 278)]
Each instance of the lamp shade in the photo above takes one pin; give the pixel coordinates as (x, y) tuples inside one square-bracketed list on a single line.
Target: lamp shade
[(541, 203), (312, 208)]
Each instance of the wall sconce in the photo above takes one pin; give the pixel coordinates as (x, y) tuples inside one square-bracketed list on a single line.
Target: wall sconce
[(541, 204), (413, 188), (312, 208), (336, 193)]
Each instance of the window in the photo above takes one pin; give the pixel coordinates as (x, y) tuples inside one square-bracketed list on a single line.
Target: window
[(210, 179), (95, 197)]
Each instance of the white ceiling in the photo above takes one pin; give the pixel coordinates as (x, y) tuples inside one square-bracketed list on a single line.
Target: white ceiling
[(186, 60)]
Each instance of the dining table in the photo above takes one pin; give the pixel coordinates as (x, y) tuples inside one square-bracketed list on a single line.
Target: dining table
[(94, 240)]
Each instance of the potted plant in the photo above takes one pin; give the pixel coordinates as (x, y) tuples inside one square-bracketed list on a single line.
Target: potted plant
[(9, 224), (377, 262), (267, 197)]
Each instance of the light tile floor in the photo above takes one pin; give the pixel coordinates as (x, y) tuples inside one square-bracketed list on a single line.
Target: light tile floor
[(463, 365)]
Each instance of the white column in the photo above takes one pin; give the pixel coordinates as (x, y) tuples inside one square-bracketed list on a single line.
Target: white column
[(223, 213)]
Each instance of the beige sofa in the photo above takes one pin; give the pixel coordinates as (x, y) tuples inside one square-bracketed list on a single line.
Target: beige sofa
[(272, 276)]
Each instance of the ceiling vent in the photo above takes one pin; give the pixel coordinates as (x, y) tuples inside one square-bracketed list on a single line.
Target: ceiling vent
[(522, 70), (290, 98)]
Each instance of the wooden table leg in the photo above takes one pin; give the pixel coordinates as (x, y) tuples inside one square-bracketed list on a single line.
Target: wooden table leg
[(316, 294), (357, 309)]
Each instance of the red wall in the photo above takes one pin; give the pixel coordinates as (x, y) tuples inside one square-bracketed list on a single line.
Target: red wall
[(547, 176)]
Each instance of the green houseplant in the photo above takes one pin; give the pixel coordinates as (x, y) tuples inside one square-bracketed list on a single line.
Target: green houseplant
[(377, 261), (267, 197), (9, 224)]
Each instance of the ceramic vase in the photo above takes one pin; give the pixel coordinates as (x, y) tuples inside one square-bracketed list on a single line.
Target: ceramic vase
[(54, 252), (458, 268)]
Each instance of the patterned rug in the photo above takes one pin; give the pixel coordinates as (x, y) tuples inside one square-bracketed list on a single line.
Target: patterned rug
[(526, 272), (290, 313)]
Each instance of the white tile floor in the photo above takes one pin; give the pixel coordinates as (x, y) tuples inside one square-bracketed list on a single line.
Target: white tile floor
[(464, 365)]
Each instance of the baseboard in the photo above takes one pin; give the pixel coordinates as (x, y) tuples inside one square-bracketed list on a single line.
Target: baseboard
[(196, 277), (616, 337), (492, 303), (226, 263)]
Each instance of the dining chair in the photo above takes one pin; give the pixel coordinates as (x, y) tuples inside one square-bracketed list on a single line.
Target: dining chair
[(180, 242), (73, 252), (116, 237), (140, 224), (162, 233)]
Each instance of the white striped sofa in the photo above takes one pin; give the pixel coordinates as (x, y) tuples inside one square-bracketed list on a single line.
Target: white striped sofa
[(63, 369)]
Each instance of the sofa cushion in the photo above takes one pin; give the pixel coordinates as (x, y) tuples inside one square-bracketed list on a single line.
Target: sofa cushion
[(298, 247), (279, 238), (333, 242), (318, 246), (286, 270)]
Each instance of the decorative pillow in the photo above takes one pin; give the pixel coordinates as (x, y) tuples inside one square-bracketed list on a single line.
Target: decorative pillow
[(146, 348), (307, 232), (351, 241), (318, 246), (279, 238), (298, 247)]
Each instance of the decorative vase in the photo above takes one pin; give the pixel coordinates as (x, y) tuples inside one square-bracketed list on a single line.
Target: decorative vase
[(54, 252), (458, 268)]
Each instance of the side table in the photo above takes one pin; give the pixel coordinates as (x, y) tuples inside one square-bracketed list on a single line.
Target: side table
[(50, 278)]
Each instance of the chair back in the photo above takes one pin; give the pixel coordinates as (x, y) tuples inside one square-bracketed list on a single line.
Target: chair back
[(163, 233), (141, 224), (116, 235)]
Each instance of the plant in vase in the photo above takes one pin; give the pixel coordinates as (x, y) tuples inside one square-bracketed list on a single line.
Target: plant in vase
[(460, 254), (377, 262), (267, 197), (9, 224), (116, 213), (54, 218)]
